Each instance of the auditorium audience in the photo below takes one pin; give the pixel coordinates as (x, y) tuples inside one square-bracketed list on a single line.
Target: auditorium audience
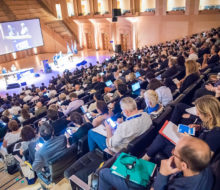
[(166, 59)]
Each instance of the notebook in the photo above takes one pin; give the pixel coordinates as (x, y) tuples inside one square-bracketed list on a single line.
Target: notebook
[(139, 174), (170, 131), (101, 130)]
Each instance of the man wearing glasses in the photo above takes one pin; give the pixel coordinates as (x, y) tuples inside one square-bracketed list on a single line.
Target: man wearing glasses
[(187, 168)]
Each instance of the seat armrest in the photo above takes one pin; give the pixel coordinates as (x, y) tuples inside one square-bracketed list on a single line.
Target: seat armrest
[(79, 182)]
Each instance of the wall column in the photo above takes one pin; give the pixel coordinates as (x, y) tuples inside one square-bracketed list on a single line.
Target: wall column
[(64, 10), (79, 6)]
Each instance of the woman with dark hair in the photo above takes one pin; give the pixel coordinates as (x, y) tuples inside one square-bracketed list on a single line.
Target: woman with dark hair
[(25, 115), (14, 135), (103, 114), (83, 128), (27, 135)]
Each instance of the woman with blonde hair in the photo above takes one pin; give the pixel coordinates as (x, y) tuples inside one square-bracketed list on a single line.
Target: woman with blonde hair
[(208, 110), (192, 75), (153, 107)]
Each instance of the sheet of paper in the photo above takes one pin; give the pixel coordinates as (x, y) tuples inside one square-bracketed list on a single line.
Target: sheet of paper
[(191, 111), (101, 130)]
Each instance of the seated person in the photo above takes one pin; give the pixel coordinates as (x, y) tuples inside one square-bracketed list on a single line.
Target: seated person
[(62, 100), (52, 147), (212, 59), (83, 127), (14, 135), (190, 158), (164, 93), (115, 95), (192, 75), (122, 92), (73, 105), (189, 162), (208, 110), (59, 124), (39, 109), (172, 70), (93, 106), (153, 107), (27, 135), (102, 115), (25, 115), (136, 124), (78, 89)]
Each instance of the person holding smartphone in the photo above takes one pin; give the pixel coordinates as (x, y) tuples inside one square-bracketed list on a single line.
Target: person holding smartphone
[(51, 148)]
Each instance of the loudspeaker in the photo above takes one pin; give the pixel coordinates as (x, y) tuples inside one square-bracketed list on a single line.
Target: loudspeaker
[(114, 19), (116, 12), (118, 48), (37, 75)]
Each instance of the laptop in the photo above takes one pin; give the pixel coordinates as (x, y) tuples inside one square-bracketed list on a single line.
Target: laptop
[(136, 86), (109, 83), (137, 74)]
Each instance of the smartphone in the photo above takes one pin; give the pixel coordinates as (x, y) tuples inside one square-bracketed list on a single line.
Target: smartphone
[(69, 131), (88, 115), (111, 123), (139, 57), (83, 110), (186, 129)]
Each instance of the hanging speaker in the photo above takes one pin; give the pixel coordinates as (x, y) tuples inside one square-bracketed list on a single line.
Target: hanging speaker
[(114, 19), (116, 12)]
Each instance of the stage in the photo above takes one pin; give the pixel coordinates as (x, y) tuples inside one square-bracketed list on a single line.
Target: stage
[(35, 62)]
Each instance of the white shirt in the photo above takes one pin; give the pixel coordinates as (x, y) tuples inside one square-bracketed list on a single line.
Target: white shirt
[(165, 95), (193, 56), (129, 130), (14, 110), (12, 138), (27, 98)]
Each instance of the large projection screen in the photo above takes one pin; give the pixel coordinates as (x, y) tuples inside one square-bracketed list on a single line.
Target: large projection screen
[(20, 35)]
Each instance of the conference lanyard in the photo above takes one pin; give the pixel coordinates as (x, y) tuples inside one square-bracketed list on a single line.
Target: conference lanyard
[(132, 117)]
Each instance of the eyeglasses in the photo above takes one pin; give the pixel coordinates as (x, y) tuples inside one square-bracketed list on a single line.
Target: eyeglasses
[(172, 153)]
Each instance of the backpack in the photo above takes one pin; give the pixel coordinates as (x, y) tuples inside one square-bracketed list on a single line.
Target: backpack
[(11, 165)]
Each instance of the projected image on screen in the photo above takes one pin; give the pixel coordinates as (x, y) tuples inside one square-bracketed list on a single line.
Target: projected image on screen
[(20, 35)]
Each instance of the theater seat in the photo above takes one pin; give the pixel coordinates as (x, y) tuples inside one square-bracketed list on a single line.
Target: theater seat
[(58, 165), (83, 145), (158, 122), (139, 144)]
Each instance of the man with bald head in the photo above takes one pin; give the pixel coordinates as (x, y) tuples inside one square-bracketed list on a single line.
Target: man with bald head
[(187, 168), (39, 108)]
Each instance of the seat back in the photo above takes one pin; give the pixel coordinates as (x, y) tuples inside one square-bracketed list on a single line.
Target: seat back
[(29, 121), (139, 144), (58, 165), (83, 147), (159, 121), (10, 148), (215, 166)]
